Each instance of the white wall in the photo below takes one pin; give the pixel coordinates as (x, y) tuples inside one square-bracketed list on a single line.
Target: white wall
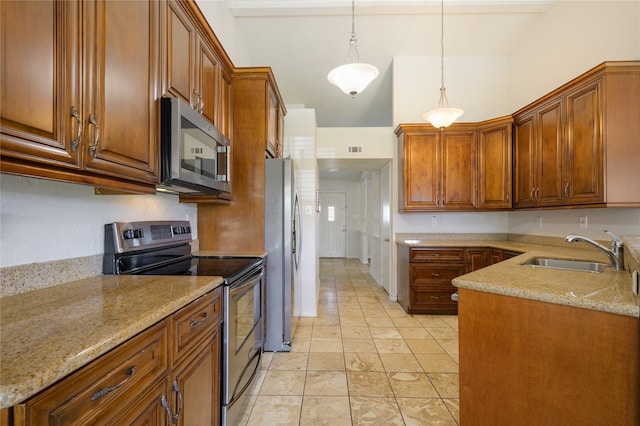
[(571, 38), (476, 84), (223, 25), (376, 142), (300, 145), (42, 220), (559, 223)]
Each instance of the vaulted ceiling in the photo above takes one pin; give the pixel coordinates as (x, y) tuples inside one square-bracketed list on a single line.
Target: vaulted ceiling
[(302, 40)]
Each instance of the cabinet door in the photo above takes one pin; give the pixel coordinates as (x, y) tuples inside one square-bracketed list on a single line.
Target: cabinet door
[(494, 167), (208, 76), (122, 107), (224, 109), (196, 386), (147, 410), (476, 259), (495, 256), (272, 147), (525, 163), (180, 54), (549, 155), (584, 153), (40, 105), (421, 171), (458, 170)]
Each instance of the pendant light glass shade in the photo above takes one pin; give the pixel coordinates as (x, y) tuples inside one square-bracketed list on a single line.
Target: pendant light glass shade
[(353, 77), (444, 115)]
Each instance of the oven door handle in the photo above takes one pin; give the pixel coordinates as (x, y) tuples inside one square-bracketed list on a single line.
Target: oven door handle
[(248, 282), (236, 394)]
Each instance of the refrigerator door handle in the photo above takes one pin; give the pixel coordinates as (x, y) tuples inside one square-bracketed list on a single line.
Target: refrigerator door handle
[(297, 232)]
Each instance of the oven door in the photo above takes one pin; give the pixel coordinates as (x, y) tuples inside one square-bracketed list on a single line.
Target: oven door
[(243, 343)]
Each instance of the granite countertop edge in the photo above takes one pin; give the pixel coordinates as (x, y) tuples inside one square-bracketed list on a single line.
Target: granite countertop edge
[(88, 318), (610, 291)]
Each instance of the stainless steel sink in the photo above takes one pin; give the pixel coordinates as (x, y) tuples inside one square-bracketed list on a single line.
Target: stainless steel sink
[(567, 265)]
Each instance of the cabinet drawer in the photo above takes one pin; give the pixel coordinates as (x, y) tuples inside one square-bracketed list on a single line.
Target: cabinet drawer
[(436, 255), (421, 274), (105, 386), (195, 321), (425, 300)]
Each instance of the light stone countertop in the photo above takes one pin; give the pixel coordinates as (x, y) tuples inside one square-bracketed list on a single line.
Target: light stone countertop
[(47, 334), (610, 291)]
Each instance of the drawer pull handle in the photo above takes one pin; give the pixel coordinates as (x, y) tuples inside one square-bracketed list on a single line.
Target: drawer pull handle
[(196, 323), (106, 391), (435, 275), (76, 140), (165, 404), (436, 297), (96, 135)]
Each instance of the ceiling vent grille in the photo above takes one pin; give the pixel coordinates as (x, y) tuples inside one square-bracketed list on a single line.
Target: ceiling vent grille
[(355, 150)]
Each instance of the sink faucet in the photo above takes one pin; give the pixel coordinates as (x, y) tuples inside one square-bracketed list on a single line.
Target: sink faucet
[(615, 253)]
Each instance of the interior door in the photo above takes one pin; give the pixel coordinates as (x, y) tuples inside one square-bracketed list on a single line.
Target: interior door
[(385, 226), (333, 208)]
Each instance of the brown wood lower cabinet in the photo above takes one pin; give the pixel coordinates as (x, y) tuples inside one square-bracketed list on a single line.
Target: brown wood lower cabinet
[(143, 381), (425, 274), (424, 278), (525, 362)]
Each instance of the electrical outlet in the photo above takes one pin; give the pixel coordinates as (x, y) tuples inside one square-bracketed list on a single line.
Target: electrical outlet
[(539, 221), (583, 222), (434, 221)]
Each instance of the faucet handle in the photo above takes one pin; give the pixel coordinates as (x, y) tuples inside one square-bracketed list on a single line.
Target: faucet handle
[(616, 240)]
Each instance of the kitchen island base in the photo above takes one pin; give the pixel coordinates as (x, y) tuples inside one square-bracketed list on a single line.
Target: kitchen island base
[(525, 362)]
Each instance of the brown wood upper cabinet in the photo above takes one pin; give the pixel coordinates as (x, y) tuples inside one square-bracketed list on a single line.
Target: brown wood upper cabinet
[(81, 106), (495, 164), (576, 145), (240, 225), (275, 125), (466, 167), (194, 70)]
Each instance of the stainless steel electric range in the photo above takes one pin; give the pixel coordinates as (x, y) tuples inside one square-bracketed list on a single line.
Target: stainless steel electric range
[(164, 248)]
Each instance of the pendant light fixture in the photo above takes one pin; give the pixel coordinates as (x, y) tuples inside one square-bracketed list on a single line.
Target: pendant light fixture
[(353, 77), (444, 115)]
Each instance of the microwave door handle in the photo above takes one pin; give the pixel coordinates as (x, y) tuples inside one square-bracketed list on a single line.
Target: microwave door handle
[(228, 157), (222, 150)]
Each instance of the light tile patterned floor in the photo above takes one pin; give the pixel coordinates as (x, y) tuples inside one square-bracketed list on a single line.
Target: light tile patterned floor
[(362, 361)]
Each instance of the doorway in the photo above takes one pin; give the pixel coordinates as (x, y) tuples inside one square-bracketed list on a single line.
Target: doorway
[(333, 208)]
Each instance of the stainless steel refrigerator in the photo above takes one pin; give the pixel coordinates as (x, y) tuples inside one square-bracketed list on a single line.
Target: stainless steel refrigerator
[(282, 238)]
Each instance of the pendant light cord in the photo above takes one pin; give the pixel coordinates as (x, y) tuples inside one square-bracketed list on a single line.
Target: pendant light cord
[(443, 95), (353, 56), (353, 18)]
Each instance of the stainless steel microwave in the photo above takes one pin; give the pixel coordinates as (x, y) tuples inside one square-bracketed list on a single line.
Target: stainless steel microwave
[(194, 155)]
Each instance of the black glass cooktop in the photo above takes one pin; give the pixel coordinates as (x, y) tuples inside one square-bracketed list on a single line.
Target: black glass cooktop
[(225, 267)]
